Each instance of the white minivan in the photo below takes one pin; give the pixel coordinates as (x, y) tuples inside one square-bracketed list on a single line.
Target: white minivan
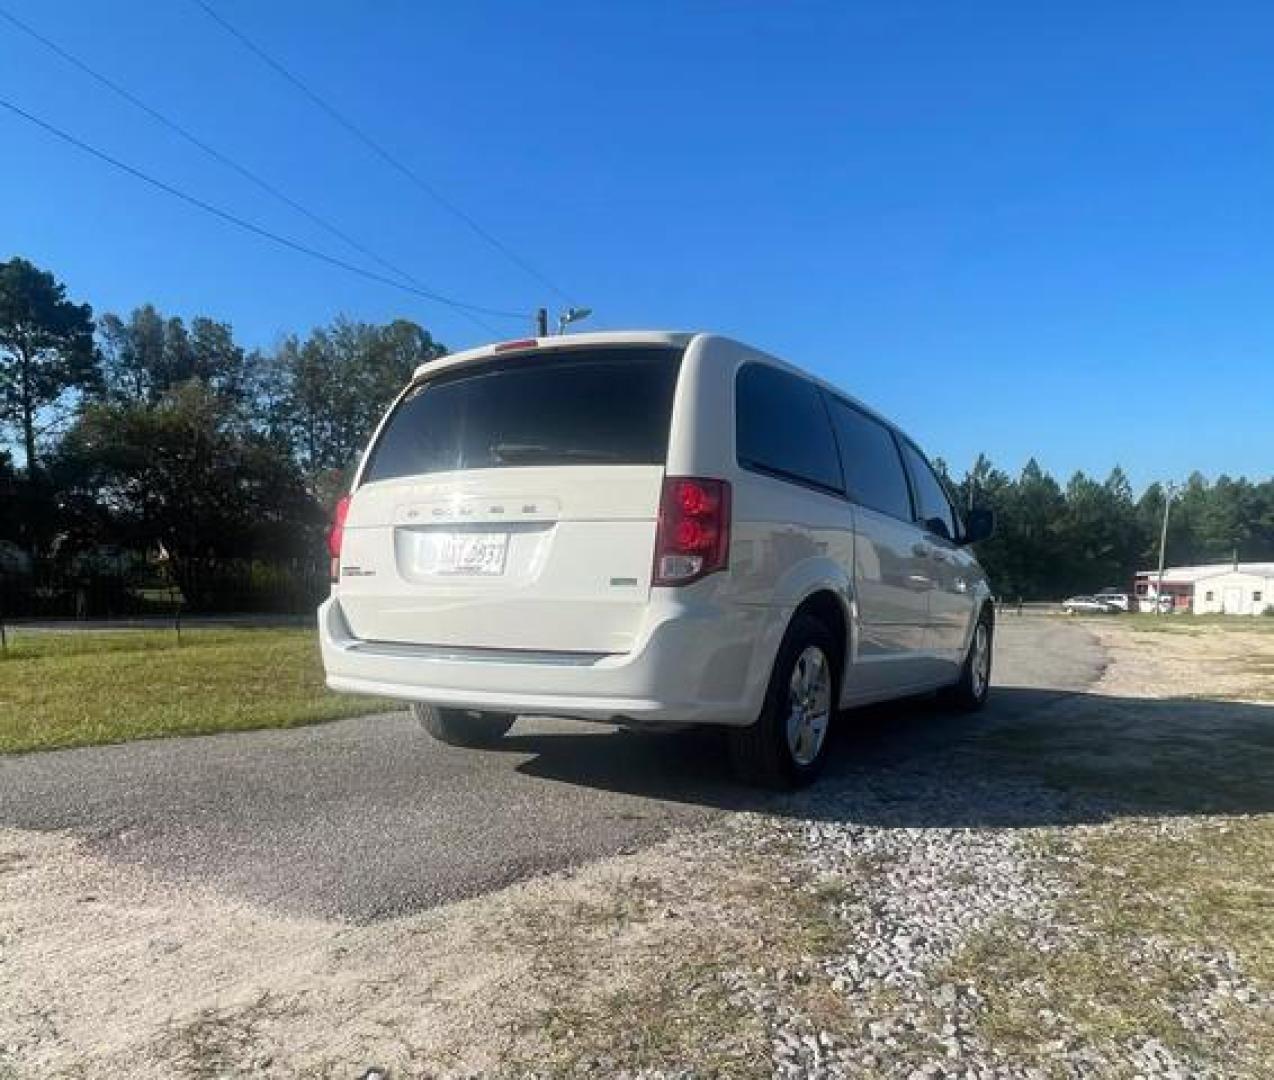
[(650, 529)]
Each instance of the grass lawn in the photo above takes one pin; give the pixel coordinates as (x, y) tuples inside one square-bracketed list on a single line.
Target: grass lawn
[(81, 689)]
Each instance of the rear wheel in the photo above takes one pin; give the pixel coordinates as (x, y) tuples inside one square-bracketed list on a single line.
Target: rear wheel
[(787, 745), (970, 693), (462, 727)]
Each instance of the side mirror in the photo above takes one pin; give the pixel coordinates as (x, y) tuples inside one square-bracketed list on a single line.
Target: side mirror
[(978, 526)]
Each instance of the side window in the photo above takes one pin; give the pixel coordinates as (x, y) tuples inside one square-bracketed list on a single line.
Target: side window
[(874, 475), (934, 507), (781, 427)]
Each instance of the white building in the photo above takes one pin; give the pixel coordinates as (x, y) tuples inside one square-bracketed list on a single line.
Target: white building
[(1219, 589)]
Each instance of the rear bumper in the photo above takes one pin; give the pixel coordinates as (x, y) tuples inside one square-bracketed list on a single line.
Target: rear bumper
[(690, 666)]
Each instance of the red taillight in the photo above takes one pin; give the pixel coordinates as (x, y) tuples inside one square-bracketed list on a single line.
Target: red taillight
[(521, 343), (693, 536), (335, 535)]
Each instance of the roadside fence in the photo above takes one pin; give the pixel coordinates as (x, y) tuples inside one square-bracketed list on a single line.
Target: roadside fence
[(125, 585)]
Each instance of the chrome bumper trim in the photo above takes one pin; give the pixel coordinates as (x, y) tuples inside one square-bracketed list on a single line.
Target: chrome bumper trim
[(458, 654)]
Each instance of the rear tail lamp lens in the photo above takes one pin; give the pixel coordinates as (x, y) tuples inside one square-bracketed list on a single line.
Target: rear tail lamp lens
[(693, 536), (335, 536)]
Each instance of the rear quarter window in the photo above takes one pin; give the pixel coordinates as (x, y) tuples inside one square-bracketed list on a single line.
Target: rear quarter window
[(579, 406)]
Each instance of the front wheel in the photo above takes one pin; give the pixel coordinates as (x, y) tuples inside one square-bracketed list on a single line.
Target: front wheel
[(970, 693), (462, 727), (786, 747)]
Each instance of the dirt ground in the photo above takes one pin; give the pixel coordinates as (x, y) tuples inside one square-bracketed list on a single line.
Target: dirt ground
[(1211, 661), (844, 940), (108, 973)]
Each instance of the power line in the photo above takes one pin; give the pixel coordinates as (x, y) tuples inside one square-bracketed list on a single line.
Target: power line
[(221, 157), (379, 150), (248, 226)]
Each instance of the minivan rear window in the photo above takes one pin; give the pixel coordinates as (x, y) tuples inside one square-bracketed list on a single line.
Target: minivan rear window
[(578, 406)]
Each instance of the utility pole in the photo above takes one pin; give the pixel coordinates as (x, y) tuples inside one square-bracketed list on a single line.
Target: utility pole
[(541, 322), (1169, 490)]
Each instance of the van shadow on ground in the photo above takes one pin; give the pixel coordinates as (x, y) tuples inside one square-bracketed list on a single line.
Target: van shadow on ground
[(1032, 758)]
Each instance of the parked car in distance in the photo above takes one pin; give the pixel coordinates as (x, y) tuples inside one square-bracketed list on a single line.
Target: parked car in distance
[(1089, 605), (651, 529), (1121, 600)]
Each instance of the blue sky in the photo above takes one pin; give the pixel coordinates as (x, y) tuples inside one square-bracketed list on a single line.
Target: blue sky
[(1027, 229)]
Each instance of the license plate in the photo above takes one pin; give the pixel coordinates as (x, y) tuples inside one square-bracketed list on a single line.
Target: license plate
[(470, 553)]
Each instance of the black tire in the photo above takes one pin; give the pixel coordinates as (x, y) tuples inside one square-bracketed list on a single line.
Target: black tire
[(970, 693), (762, 752), (463, 727)]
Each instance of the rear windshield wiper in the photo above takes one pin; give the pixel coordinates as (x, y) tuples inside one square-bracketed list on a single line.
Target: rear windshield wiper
[(537, 452)]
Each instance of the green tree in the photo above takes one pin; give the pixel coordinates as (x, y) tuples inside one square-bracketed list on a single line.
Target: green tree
[(1034, 532), (333, 387), (46, 350), (1100, 536), (10, 522), (1128, 537), (1262, 521), (1229, 521), (1186, 542), (148, 355), (986, 487), (187, 473)]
